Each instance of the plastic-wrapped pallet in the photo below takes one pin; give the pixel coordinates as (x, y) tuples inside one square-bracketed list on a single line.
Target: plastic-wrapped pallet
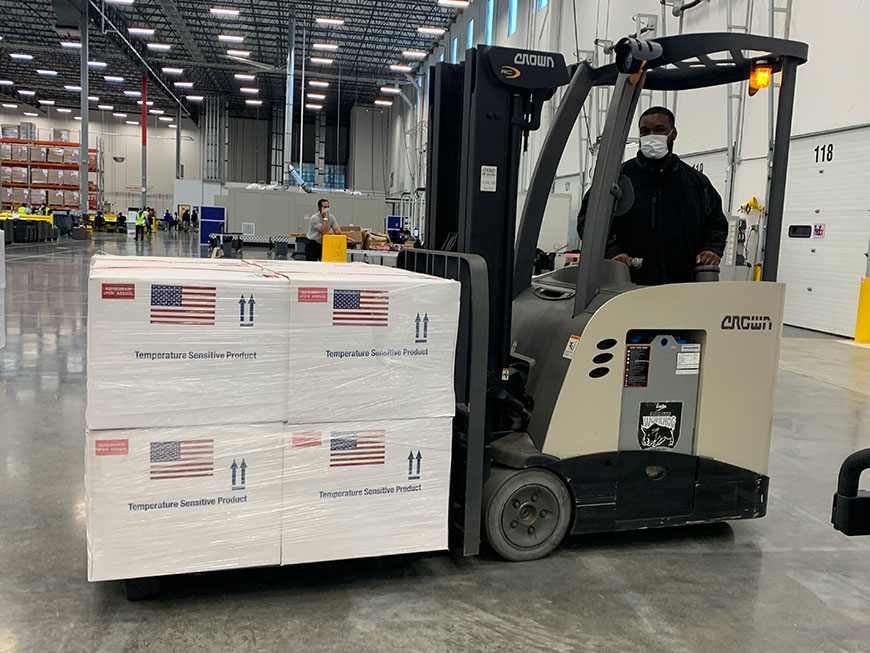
[(358, 489), (369, 342), (175, 500), (175, 342)]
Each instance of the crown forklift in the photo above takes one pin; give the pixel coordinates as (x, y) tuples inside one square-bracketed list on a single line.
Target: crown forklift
[(586, 403)]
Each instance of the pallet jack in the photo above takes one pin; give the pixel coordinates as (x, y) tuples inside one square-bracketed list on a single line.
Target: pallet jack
[(586, 403)]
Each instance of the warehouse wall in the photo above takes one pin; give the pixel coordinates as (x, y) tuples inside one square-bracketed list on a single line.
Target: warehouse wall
[(701, 115), (123, 181), (367, 155), (248, 150)]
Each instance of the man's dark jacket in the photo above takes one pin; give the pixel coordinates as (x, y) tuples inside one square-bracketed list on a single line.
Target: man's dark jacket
[(676, 215)]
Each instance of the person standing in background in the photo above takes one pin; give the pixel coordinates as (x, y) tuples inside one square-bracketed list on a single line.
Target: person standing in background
[(194, 219), (320, 224), (185, 220), (140, 224)]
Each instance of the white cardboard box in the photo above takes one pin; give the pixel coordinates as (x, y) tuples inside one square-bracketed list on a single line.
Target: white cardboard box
[(359, 489), (185, 343), (369, 342), (179, 500)]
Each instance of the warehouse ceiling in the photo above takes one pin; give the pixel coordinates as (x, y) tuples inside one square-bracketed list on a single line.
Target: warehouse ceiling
[(212, 48)]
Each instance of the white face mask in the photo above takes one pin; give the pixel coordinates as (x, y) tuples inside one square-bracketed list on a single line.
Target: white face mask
[(654, 146)]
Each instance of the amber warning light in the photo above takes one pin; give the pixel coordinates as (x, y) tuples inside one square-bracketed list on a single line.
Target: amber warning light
[(759, 78)]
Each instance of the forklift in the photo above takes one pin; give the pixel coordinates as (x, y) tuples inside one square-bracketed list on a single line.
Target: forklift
[(586, 403)]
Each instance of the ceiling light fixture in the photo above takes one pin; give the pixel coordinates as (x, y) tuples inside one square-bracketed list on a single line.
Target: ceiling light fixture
[(183, 84), (47, 102), (165, 118), (255, 103), (74, 89), (239, 53), (70, 44), (160, 47), (454, 4), (434, 31), (63, 110), (332, 47), (30, 114), (172, 126), (400, 68), (318, 84), (21, 55), (27, 93), (322, 60), (148, 103), (120, 2), (245, 77), (193, 98), (77, 117), (329, 21), (113, 79), (169, 70), (156, 112), (133, 93), (93, 98), (50, 73), (392, 90), (248, 89), (97, 64), (132, 122), (106, 107), (316, 107), (6, 82), (384, 103), (413, 54), (316, 96), (224, 13), (119, 114), (141, 31), (230, 38), (9, 105)]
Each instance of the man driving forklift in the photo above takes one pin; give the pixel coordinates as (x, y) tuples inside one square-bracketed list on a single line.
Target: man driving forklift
[(675, 222)]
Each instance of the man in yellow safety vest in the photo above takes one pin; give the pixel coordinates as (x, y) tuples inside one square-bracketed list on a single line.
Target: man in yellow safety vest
[(22, 211), (140, 224)]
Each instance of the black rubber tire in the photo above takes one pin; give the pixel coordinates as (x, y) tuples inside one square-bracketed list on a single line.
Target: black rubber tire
[(139, 589), (536, 501)]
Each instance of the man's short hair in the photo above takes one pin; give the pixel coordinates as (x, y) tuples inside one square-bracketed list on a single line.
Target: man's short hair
[(320, 204), (661, 111)]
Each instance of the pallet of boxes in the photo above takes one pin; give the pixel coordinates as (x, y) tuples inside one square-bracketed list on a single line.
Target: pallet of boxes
[(245, 413)]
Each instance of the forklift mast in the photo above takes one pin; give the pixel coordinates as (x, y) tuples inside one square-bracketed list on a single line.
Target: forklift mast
[(499, 93)]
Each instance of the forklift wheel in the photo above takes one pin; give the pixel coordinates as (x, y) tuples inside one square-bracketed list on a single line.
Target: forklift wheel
[(526, 512)]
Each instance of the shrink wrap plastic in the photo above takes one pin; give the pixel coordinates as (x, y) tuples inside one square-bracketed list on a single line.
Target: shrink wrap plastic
[(249, 413)]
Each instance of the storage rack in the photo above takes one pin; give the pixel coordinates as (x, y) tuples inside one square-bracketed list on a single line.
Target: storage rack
[(95, 165)]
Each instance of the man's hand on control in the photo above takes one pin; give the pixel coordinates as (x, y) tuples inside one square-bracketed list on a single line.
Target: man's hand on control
[(623, 258), (707, 258)]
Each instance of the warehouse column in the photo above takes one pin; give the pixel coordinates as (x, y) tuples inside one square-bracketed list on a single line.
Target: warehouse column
[(144, 141), (320, 157), (83, 137), (288, 103), (178, 143), (302, 104)]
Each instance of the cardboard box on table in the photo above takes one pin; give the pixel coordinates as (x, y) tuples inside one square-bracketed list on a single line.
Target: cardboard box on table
[(173, 344), (357, 489), (176, 500), (381, 339)]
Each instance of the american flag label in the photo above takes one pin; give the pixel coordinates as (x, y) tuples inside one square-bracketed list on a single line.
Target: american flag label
[(351, 448), (360, 307), (182, 459), (304, 439), (183, 304)]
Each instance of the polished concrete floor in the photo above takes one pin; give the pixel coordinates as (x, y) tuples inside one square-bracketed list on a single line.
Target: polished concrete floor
[(786, 583)]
